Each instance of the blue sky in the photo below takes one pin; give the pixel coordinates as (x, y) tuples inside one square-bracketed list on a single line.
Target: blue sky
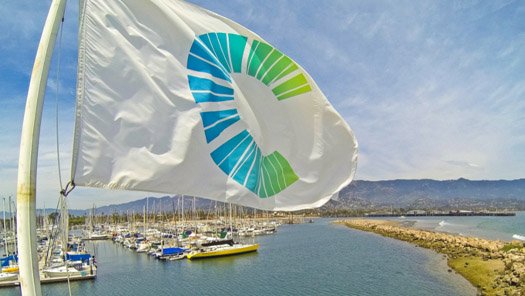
[(432, 89)]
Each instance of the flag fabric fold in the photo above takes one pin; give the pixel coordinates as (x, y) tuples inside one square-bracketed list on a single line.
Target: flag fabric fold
[(172, 98)]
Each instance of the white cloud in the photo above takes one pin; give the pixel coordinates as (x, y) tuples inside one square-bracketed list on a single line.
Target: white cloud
[(432, 90)]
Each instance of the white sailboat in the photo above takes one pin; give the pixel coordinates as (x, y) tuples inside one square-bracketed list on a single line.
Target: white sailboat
[(8, 276), (62, 271), (71, 269)]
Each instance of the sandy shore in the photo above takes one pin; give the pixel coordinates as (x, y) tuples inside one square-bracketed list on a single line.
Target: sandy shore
[(494, 267)]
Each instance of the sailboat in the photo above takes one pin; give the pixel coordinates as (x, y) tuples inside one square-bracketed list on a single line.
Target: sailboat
[(68, 262), (92, 233), (9, 264), (171, 115), (8, 276), (225, 247)]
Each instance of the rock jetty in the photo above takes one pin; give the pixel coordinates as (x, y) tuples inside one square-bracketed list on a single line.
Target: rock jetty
[(494, 267)]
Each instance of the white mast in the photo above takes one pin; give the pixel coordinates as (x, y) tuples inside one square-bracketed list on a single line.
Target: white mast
[(144, 221), (147, 211), (6, 250), (12, 223), (44, 220), (27, 163)]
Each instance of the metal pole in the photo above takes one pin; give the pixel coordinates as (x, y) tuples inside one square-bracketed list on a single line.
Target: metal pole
[(27, 163)]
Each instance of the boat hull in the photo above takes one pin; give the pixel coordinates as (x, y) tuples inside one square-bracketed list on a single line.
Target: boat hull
[(8, 277), (224, 252), (61, 273), (11, 269)]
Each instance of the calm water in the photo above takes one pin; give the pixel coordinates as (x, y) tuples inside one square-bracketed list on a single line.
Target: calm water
[(306, 259)]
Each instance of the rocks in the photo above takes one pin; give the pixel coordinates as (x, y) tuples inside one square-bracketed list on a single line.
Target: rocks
[(512, 255)]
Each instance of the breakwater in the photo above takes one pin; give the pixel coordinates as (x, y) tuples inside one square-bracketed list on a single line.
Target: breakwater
[(449, 214), (494, 267)]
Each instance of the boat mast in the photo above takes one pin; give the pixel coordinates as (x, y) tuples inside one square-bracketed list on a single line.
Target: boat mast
[(27, 163), (6, 251), (12, 224)]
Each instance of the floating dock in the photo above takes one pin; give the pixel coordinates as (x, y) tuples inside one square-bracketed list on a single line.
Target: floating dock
[(48, 280)]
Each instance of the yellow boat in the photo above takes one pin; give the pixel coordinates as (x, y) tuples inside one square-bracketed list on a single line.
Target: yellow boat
[(10, 269), (223, 250)]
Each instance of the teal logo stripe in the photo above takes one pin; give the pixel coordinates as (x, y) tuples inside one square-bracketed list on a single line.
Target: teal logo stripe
[(219, 55)]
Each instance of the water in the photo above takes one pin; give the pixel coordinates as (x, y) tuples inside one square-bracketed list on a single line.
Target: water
[(495, 228), (306, 259)]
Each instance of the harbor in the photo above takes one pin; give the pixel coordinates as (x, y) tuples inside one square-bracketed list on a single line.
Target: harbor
[(288, 261), (191, 234)]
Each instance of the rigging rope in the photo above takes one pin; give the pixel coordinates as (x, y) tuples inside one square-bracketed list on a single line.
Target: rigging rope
[(63, 191), (57, 93)]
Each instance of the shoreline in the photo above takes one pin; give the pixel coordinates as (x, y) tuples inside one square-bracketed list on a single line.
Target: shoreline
[(493, 267)]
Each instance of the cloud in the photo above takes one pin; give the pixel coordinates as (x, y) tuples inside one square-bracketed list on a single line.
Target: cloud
[(464, 164), (431, 90)]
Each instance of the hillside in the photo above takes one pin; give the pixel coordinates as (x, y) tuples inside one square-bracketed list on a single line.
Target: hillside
[(413, 194), (427, 193)]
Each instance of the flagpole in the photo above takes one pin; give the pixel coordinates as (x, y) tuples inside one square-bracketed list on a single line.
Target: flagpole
[(27, 163)]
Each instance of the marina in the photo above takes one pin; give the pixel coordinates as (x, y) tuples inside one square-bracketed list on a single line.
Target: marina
[(289, 261), (163, 236)]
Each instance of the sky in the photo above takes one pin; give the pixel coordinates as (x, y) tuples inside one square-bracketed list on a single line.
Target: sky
[(431, 89)]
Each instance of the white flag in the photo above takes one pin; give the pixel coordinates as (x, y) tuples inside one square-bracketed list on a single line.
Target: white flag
[(173, 98)]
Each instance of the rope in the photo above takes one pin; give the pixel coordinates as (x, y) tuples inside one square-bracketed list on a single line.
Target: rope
[(71, 184), (57, 93), (64, 191)]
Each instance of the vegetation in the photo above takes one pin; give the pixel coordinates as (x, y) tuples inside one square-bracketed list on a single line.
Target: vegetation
[(512, 246), (77, 220), (482, 273)]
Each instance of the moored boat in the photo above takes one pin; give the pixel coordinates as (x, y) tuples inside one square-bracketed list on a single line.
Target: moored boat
[(61, 271), (8, 276), (10, 269), (223, 250), (72, 269), (97, 236)]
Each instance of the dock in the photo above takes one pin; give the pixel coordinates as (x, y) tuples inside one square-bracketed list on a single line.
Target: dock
[(49, 280)]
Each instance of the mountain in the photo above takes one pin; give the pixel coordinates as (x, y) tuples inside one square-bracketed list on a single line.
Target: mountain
[(412, 194), (427, 193), (154, 204)]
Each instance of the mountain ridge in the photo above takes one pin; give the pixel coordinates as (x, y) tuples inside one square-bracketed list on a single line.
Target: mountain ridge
[(365, 194)]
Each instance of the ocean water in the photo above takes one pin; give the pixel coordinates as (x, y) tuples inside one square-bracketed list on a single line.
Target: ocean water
[(496, 228), (306, 259)]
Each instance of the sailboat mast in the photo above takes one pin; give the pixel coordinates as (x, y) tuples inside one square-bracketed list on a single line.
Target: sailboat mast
[(44, 219), (146, 226), (6, 249), (144, 221), (28, 159)]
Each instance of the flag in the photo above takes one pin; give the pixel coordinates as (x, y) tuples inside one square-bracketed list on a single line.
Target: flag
[(172, 98)]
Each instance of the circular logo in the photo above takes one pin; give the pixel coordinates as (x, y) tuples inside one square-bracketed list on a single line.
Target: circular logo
[(214, 59)]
